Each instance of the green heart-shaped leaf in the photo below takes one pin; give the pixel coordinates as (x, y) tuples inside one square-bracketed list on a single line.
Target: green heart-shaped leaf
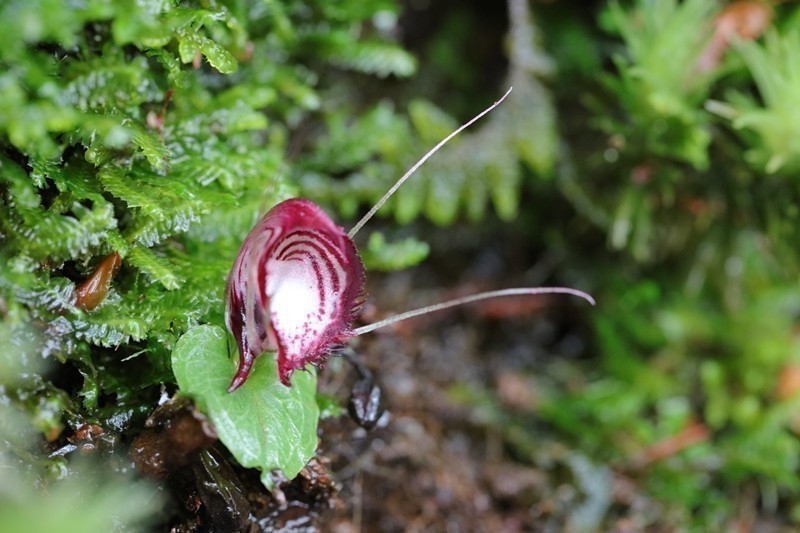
[(264, 424)]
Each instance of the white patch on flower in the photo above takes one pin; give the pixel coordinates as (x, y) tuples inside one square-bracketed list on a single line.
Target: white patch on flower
[(293, 292), (304, 284)]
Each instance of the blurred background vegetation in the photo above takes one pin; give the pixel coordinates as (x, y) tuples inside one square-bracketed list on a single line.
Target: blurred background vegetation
[(650, 150)]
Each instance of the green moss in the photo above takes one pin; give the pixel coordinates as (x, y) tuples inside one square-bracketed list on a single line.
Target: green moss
[(156, 130)]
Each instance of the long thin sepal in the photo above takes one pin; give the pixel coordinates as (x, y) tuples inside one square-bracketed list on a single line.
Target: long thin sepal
[(524, 291), (419, 163)]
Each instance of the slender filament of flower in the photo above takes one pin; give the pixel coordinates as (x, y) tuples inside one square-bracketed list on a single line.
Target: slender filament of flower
[(419, 163), (469, 299)]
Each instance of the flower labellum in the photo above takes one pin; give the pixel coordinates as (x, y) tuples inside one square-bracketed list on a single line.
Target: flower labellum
[(294, 289), (296, 285)]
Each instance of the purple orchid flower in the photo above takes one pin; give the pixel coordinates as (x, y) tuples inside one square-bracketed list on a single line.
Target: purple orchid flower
[(296, 286)]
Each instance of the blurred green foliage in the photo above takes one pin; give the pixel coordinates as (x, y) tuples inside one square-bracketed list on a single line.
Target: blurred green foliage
[(40, 493), (773, 117), (479, 167), (658, 82), (692, 181)]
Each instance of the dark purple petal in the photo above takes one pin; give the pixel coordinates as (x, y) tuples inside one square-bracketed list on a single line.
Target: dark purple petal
[(294, 288)]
